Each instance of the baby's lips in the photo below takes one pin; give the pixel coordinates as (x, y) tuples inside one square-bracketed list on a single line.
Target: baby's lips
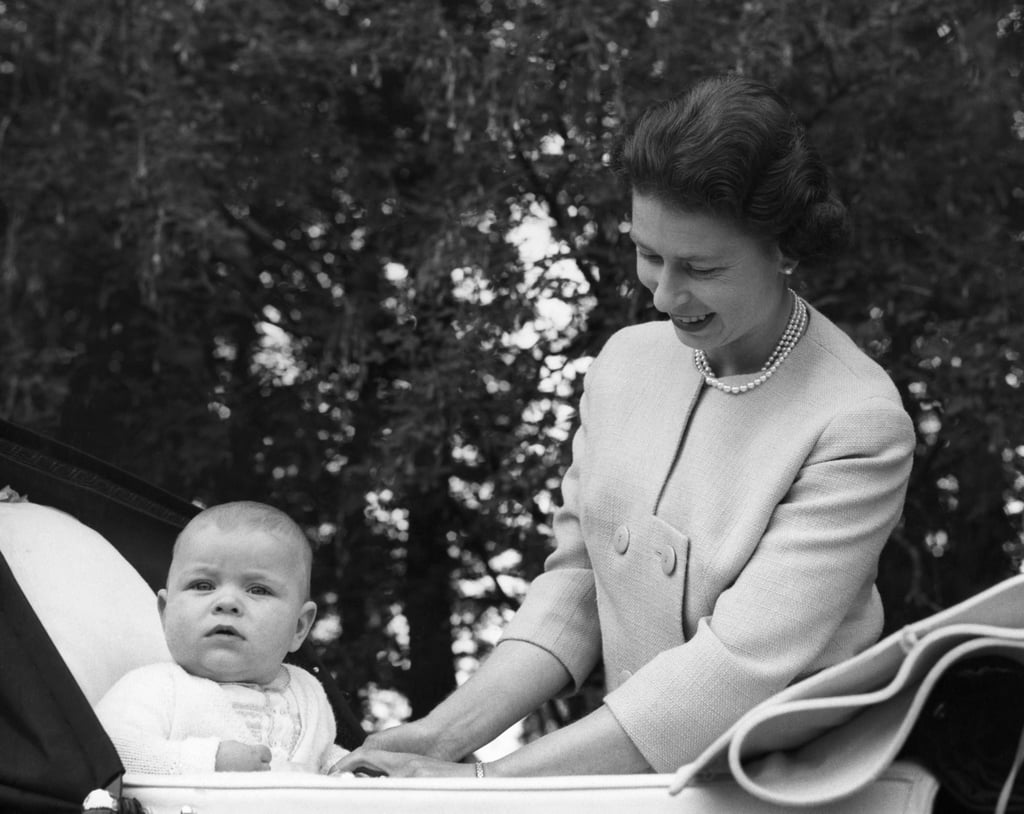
[(224, 629)]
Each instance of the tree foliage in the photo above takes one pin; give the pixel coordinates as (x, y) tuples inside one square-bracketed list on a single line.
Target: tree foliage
[(271, 249)]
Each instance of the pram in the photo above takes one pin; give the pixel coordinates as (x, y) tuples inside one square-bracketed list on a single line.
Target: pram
[(83, 546)]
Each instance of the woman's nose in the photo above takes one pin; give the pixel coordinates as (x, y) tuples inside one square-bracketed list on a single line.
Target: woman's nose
[(670, 291)]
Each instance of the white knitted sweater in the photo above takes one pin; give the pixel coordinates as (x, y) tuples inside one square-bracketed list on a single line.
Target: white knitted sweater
[(162, 720)]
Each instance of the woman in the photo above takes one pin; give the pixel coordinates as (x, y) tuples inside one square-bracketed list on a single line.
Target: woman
[(737, 470)]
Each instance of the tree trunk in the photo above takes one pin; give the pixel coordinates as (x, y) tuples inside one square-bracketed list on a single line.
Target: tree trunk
[(428, 602)]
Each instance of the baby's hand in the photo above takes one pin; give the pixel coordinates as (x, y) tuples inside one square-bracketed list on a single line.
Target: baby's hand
[(233, 756)]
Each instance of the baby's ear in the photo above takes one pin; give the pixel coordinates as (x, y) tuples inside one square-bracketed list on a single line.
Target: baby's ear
[(161, 602), (304, 624)]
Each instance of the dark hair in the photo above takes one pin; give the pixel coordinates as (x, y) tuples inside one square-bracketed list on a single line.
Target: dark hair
[(732, 147)]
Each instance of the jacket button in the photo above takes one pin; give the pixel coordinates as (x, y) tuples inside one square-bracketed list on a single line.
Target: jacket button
[(625, 676), (667, 554), (621, 539)]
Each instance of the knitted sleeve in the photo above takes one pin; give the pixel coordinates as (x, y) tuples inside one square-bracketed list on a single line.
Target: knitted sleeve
[(139, 714), (333, 754), (316, 748)]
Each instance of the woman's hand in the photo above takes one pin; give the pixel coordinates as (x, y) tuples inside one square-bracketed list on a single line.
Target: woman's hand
[(416, 738), (367, 760), (409, 750), (233, 756), (514, 679)]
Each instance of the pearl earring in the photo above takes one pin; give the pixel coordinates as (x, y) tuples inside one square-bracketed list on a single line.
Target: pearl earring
[(788, 268)]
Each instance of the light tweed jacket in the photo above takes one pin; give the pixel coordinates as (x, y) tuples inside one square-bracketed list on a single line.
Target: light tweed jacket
[(713, 548)]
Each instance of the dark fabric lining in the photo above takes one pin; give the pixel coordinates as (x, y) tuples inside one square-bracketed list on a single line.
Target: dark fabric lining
[(54, 750)]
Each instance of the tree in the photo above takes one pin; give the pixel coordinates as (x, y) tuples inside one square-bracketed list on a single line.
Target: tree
[(269, 249)]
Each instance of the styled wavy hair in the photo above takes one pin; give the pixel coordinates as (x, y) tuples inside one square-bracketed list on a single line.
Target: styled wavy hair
[(732, 147)]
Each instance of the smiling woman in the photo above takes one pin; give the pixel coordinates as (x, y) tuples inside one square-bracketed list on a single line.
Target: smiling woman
[(737, 470), (721, 286)]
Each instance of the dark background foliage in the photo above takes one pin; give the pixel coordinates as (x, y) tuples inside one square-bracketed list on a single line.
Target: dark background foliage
[(268, 249)]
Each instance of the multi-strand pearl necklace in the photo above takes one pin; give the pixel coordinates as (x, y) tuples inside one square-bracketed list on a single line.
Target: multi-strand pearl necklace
[(794, 330)]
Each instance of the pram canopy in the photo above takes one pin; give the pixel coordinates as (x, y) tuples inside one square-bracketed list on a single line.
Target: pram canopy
[(54, 750)]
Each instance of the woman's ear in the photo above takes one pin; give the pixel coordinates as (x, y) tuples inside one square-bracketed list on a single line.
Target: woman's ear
[(787, 265), (304, 624)]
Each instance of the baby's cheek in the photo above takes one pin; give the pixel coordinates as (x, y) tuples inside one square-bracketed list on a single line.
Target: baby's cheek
[(181, 645)]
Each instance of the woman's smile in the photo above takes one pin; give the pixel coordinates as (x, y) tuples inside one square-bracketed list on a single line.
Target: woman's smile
[(694, 323)]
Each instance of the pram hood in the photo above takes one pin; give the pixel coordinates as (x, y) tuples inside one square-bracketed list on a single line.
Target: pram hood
[(54, 750)]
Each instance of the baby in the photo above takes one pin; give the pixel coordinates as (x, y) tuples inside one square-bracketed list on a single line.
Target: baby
[(236, 602)]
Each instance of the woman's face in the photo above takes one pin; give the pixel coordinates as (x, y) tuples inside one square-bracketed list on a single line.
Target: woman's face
[(722, 288)]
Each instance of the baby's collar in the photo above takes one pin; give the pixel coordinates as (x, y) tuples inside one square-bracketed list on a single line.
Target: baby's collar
[(278, 683)]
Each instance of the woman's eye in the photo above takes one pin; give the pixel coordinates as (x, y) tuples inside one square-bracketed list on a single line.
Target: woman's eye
[(698, 271)]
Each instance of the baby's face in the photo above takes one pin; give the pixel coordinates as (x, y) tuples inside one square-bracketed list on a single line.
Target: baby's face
[(235, 603)]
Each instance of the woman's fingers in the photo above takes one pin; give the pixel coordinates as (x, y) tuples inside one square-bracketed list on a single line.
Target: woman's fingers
[(361, 761), (399, 764)]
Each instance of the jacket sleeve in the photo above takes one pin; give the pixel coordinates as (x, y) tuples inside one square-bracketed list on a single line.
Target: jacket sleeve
[(813, 567), (138, 714)]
